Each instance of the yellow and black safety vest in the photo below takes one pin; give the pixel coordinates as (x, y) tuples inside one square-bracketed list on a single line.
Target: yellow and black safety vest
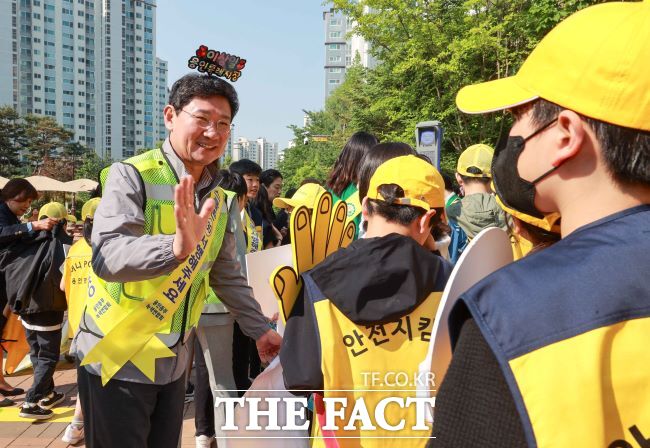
[(570, 326), (391, 352)]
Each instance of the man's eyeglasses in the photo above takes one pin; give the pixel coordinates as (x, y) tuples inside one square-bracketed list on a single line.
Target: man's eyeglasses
[(221, 126)]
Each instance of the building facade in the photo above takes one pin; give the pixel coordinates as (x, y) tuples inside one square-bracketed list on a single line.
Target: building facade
[(260, 151), (268, 154), (89, 64), (342, 46)]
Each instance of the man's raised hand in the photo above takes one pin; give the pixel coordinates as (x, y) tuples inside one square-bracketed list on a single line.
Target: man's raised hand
[(190, 226)]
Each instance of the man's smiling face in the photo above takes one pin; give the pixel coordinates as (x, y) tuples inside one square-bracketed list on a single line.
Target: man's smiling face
[(199, 131)]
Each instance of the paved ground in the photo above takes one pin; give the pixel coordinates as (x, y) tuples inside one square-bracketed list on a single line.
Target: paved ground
[(24, 433)]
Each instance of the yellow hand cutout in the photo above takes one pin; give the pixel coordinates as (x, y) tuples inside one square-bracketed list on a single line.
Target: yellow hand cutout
[(312, 239)]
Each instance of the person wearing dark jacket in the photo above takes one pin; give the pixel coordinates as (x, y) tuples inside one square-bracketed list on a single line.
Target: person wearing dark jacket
[(367, 310), (15, 200), (34, 265)]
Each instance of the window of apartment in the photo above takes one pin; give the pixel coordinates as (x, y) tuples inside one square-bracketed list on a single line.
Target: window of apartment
[(37, 75), (49, 7), (37, 111), (37, 99), (335, 34), (37, 28), (335, 22), (335, 59), (335, 46), (36, 16), (335, 70), (37, 87), (335, 81), (49, 19), (64, 10), (37, 3)]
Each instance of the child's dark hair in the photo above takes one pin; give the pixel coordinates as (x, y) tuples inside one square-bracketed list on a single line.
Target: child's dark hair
[(346, 167), (244, 167), (268, 176), (475, 180), (264, 205), (233, 182), (377, 155)]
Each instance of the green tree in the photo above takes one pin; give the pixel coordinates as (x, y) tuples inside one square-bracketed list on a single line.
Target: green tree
[(91, 166), (43, 136), (75, 154), (430, 49), (12, 140)]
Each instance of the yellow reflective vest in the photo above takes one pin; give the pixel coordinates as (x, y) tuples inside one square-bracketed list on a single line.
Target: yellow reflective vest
[(159, 181), (569, 326)]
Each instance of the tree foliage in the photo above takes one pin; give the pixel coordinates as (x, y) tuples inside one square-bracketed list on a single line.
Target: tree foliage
[(428, 50), (11, 141), (44, 135)]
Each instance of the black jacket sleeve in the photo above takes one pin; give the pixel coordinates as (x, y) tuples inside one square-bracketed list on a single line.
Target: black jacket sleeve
[(11, 228), (300, 353), (474, 407)]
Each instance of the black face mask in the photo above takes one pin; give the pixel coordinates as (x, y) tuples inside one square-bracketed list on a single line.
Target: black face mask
[(515, 192)]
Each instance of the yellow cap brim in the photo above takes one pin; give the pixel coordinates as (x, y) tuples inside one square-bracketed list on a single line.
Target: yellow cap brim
[(493, 96), (286, 202)]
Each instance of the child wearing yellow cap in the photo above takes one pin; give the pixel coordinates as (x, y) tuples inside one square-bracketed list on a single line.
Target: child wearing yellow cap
[(76, 270), (370, 307), (546, 349)]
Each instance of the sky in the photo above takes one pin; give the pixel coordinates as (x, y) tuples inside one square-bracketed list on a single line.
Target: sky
[(282, 42)]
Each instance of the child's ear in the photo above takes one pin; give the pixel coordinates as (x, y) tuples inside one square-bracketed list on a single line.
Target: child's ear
[(425, 221), (364, 208)]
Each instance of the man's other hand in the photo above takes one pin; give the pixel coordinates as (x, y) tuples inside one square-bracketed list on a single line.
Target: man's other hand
[(268, 345)]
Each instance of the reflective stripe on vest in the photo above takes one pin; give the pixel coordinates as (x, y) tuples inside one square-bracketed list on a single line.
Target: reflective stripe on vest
[(159, 181)]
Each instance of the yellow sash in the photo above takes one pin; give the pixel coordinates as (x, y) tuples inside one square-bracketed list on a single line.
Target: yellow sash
[(130, 335)]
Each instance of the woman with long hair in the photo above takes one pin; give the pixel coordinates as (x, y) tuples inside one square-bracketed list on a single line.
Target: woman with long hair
[(344, 176)]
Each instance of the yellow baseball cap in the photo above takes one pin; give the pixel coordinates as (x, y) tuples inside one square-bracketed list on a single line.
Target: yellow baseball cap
[(422, 184), (595, 62), (305, 195), (88, 209), (53, 210), (72, 219), (550, 222), (478, 156)]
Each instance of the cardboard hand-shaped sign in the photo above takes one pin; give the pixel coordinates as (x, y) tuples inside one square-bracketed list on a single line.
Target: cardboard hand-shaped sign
[(314, 236)]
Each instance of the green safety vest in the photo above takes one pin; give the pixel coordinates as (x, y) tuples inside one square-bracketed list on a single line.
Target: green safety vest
[(159, 181)]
